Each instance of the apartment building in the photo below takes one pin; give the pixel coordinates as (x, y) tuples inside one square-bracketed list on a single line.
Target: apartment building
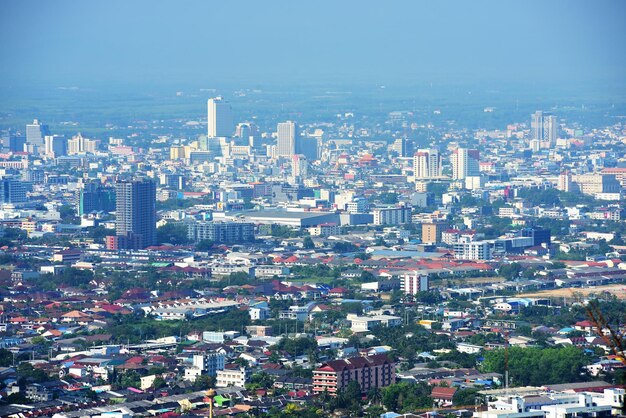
[(370, 372)]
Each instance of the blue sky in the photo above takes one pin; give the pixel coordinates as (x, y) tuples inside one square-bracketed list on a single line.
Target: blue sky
[(190, 41)]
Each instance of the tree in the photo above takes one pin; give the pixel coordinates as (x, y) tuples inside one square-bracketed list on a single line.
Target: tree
[(204, 382), (67, 213), (6, 358), (344, 247), (406, 397), (465, 397), (308, 243), (159, 382), (538, 366), (172, 233), (510, 271), (204, 245)]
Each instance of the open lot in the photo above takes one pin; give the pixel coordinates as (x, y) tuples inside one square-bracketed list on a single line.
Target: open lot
[(618, 290)]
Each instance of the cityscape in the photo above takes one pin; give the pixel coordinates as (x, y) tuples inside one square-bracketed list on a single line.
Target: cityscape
[(183, 236)]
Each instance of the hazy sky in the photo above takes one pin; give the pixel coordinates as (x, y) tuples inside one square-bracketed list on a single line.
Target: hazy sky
[(74, 42)]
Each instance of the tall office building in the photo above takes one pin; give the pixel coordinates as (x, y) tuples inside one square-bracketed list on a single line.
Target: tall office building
[(309, 147), (220, 125), (14, 143), (80, 145), (550, 131), (544, 130), (12, 190), (219, 118), (35, 133), (427, 164), (135, 213), (287, 137), (55, 145), (299, 169), (401, 146), (465, 163), (94, 196)]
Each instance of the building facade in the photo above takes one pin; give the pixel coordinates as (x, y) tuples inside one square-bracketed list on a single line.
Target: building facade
[(222, 232), (135, 207), (369, 372)]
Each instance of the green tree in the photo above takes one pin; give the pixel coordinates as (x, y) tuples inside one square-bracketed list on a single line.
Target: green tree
[(204, 382), (173, 233), (538, 366), (6, 358), (308, 243), (204, 245), (465, 397)]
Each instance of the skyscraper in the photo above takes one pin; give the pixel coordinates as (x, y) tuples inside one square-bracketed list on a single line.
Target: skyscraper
[(220, 125), (94, 196), (287, 134), (55, 145), (35, 133), (544, 129), (549, 131), (427, 164), (219, 118), (465, 163), (135, 213), (299, 168), (12, 190)]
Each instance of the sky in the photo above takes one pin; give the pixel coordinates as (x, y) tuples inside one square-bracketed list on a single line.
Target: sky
[(83, 42)]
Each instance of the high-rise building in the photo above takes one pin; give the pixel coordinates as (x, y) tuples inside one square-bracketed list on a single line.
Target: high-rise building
[(219, 118), (401, 146), (12, 190), (13, 143), (550, 131), (427, 164), (565, 183), (431, 232), (135, 213), (299, 168), (287, 137), (309, 147), (55, 145), (544, 130), (96, 197), (413, 283), (35, 133), (465, 163), (80, 145)]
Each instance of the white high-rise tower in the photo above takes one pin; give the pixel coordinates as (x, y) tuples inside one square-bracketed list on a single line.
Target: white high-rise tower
[(220, 118), (465, 163), (287, 136), (427, 164)]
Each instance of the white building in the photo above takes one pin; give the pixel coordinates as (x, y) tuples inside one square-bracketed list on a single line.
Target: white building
[(226, 378), (325, 230), (427, 164), (472, 250), (392, 216), (206, 363), (219, 118), (465, 163), (259, 313), (286, 140), (366, 323), (413, 283)]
